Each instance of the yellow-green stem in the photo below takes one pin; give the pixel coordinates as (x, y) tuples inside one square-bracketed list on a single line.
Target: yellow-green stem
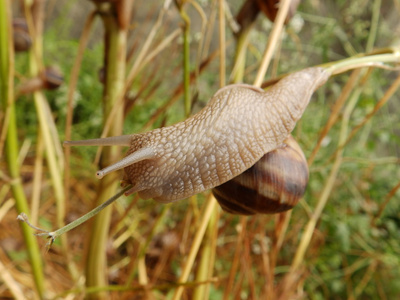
[(240, 55), (52, 235), (186, 61), (11, 143), (363, 60), (115, 61), (140, 61), (222, 43), (376, 11), (46, 121)]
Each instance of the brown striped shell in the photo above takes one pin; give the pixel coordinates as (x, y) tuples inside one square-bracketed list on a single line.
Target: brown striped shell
[(274, 184)]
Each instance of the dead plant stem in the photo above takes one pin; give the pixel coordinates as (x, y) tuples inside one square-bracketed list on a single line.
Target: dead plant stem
[(208, 209), (272, 41)]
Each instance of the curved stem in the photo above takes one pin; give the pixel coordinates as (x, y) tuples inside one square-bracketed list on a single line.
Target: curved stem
[(375, 60), (52, 235)]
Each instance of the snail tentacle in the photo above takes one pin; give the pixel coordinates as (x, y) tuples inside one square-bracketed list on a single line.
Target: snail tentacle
[(139, 155), (123, 140)]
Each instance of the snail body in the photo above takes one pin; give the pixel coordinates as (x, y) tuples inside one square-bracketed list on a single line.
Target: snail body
[(274, 184), (239, 125)]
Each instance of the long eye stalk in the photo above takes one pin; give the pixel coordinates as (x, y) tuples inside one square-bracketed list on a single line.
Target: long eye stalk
[(123, 140)]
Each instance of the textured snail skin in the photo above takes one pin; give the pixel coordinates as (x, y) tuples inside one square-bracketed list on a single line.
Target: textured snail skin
[(239, 125), (274, 184)]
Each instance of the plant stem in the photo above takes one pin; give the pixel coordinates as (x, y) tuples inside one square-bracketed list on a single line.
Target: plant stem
[(209, 207), (55, 234), (115, 64), (376, 11), (34, 13), (11, 142), (186, 60), (272, 41), (207, 257), (374, 60), (221, 23), (240, 55)]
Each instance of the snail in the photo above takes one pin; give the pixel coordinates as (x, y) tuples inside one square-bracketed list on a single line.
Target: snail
[(274, 184), (50, 78), (22, 39), (238, 126)]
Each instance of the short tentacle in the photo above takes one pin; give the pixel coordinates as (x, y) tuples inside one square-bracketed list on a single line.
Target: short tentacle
[(141, 154)]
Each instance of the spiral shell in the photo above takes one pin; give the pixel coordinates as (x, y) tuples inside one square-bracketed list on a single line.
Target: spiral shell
[(21, 37), (274, 184)]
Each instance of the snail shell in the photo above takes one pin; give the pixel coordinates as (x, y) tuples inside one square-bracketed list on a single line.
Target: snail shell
[(21, 37), (274, 184)]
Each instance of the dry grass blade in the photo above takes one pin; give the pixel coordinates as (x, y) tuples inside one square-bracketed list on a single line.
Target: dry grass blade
[(273, 40), (388, 197), (208, 209), (236, 258), (11, 283)]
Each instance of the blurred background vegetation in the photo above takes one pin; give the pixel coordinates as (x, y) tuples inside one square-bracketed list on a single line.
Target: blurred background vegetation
[(140, 249)]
